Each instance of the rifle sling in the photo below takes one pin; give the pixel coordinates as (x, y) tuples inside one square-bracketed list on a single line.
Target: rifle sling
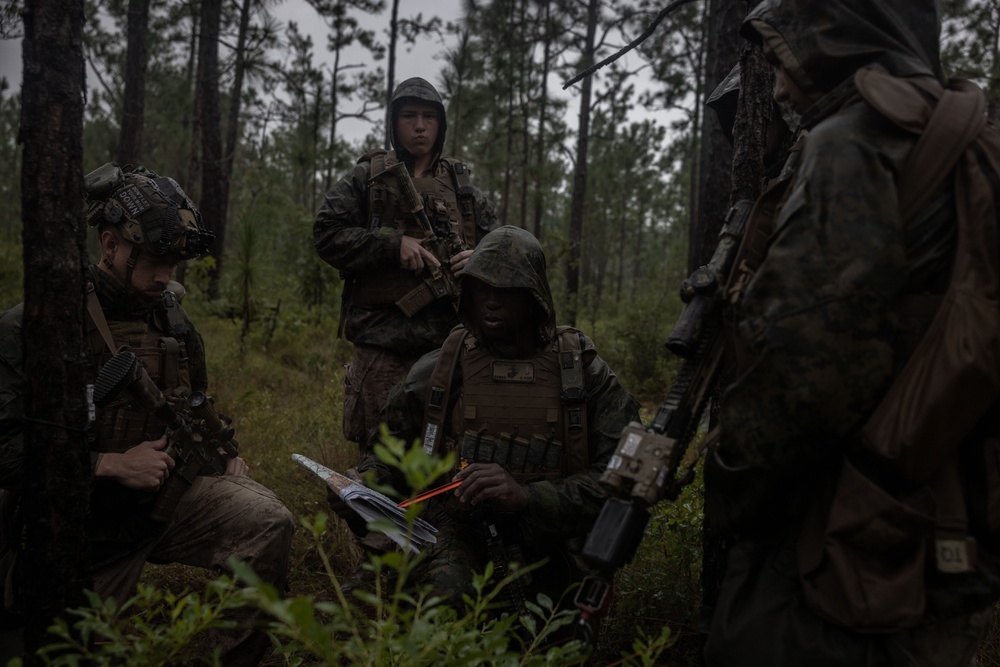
[(97, 317)]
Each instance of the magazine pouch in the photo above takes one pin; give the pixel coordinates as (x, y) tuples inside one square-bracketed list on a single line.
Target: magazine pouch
[(863, 564)]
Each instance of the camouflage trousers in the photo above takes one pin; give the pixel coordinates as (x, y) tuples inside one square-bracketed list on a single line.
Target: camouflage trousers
[(368, 379), (466, 543), (217, 518), (761, 618)]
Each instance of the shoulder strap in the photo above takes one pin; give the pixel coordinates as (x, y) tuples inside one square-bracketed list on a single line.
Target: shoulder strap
[(573, 397), (952, 378), (436, 409), (376, 190), (946, 129), (97, 317), (466, 196)]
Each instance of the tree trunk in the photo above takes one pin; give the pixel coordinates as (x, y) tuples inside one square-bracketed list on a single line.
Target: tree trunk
[(56, 461), (715, 155), (753, 116), (390, 76), (538, 195), (580, 170), (236, 97), (993, 73), (191, 181), (192, 176), (743, 182), (334, 79), (213, 177), (133, 108), (508, 73)]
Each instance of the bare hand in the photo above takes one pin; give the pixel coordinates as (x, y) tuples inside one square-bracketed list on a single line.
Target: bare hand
[(459, 261), (489, 481), (414, 256), (144, 467), (237, 467)]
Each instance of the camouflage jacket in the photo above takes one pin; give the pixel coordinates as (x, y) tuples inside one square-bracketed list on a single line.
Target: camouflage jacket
[(818, 326), (343, 238)]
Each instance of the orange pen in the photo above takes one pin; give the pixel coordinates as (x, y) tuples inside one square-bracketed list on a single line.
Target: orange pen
[(430, 494)]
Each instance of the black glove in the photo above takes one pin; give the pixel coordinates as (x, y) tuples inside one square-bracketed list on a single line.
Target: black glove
[(354, 521)]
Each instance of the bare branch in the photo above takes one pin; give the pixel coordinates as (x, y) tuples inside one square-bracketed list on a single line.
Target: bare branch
[(631, 45)]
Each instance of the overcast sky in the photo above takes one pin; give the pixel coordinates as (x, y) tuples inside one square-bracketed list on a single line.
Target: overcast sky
[(411, 60), (418, 61), (309, 22)]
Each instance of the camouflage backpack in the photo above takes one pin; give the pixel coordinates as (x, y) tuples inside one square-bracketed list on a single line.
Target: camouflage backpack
[(867, 562)]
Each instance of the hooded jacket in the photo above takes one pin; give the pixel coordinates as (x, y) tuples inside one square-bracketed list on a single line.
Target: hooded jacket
[(819, 325), (511, 257), (417, 89)]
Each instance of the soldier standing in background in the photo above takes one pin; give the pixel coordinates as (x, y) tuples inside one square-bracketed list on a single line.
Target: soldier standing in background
[(367, 229)]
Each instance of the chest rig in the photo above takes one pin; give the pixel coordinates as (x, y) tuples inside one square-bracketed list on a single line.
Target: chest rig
[(123, 423), (449, 202), (530, 416)]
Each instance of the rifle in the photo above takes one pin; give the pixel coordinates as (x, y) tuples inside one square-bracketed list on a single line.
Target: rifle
[(438, 282), (645, 465), (199, 440)]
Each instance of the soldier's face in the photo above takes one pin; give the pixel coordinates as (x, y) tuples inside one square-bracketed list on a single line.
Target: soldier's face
[(786, 90), (150, 274), (502, 314), (417, 125)]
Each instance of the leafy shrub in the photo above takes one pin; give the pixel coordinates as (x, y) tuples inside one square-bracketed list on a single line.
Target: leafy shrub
[(394, 625)]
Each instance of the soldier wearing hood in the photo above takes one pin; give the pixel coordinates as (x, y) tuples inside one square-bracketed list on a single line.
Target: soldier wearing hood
[(366, 230), (529, 409), (819, 338), (146, 225)]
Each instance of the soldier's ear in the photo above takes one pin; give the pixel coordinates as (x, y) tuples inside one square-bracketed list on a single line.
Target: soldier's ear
[(108, 241)]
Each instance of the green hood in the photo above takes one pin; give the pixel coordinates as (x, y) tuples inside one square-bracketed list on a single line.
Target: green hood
[(822, 43), (510, 257), (419, 89)]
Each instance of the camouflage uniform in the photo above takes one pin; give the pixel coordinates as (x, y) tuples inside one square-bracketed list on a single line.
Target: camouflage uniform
[(367, 251), (563, 505), (218, 517), (817, 331)]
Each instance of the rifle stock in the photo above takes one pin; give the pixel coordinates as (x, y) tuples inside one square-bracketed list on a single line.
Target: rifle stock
[(199, 440), (644, 468)]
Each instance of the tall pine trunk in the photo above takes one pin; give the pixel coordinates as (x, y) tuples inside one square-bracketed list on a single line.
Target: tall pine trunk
[(134, 106), (390, 76), (579, 195), (56, 462), (214, 187)]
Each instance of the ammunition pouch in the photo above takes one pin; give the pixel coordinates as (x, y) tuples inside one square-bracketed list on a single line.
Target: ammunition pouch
[(527, 460)]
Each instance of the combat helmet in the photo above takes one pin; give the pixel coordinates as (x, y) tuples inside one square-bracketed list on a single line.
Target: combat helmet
[(151, 211), (419, 89)]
